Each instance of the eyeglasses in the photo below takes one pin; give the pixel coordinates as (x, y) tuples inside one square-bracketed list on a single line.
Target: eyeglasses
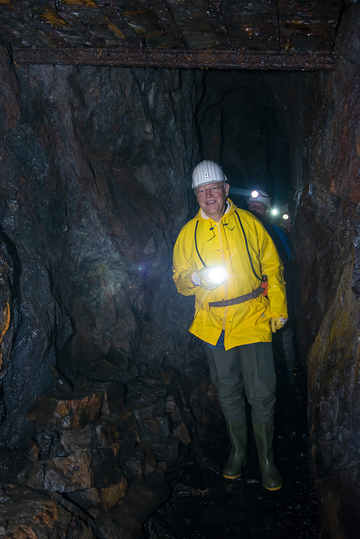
[(211, 189)]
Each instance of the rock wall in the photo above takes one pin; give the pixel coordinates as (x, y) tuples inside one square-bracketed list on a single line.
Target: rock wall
[(94, 184), (328, 241), (94, 187)]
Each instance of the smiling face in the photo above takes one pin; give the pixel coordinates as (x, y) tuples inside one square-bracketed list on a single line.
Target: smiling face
[(212, 199)]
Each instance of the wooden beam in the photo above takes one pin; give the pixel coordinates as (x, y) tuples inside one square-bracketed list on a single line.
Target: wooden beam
[(206, 59)]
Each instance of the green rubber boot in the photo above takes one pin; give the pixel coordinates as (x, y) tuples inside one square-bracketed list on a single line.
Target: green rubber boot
[(270, 475), (237, 431)]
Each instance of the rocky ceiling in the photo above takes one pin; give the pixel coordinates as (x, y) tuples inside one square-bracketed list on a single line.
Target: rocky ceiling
[(257, 34)]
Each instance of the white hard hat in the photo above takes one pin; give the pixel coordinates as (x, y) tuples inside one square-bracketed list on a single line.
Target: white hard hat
[(259, 196), (207, 172)]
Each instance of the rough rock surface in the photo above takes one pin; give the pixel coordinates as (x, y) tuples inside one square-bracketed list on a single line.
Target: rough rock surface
[(105, 475), (95, 167), (28, 513), (260, 25), (329, 264)]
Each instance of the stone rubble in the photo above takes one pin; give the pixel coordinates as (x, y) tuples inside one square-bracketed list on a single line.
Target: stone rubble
[(99, 454)]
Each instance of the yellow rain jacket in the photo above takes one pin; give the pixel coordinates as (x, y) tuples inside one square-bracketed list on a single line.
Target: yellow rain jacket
[(204, 242)]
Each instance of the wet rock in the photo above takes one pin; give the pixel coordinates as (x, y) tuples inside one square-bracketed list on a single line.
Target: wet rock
[(165, 449), (30, 513), (205, 405), (9, 306), (184, 389), (125, 520), (136, 463), (34, 449), (93, 267), (150, 460), (95, 466), (57, 450), (13, 463), (157, 409), (65, 410), (183, 433), (45, 440), (106, 462), (61, 382), (124, 448), (170, 404), (70, 473), (159, 427), (111, 494), (34, 476), (80, 439), (111, 430), (327, 239), (147, 393), (86, 499), (115, 397)]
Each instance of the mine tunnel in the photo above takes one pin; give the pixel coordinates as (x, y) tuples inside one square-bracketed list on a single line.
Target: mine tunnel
[(110, 424)]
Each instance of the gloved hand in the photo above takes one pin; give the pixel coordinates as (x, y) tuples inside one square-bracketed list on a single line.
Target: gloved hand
[(277, 323), (203, 276)]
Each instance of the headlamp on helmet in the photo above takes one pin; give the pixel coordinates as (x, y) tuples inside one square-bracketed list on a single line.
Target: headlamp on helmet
[(259, 196)]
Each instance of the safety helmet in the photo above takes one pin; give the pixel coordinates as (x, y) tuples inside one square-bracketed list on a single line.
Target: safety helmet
[(207, 172), (259, 196), (284, 212)]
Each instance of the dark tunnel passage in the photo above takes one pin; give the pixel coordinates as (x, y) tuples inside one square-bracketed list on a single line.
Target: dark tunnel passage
[(110, 426), (241, 126)]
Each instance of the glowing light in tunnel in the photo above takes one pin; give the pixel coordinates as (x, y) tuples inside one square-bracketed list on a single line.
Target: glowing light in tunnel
[(217, 275)]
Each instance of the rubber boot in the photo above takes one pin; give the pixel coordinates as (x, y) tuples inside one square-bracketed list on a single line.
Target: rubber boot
[(270, 475), (237, 431)]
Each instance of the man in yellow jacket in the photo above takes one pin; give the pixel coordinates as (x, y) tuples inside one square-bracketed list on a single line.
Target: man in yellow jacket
[(224, 257)]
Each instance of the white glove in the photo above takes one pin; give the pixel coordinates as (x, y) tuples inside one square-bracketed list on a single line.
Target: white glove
[(208, 278)]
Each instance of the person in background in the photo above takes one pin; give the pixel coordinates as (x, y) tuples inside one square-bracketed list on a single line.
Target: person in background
[(285, 221), (259, 205), (220, 257)]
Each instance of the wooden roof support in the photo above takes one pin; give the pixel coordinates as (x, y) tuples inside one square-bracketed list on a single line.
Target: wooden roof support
[(205, 59)]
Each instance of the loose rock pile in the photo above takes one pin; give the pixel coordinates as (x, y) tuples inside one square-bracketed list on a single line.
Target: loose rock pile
[(99, 453)]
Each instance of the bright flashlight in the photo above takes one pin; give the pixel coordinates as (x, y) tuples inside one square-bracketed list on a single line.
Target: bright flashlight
[(217, 275), (274, 211), (286, 216), (254, 194)]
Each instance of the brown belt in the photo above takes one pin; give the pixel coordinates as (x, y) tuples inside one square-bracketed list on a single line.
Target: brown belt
[(240, 299)]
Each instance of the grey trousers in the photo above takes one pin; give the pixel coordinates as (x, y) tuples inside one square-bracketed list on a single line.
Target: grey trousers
[(248, 368)]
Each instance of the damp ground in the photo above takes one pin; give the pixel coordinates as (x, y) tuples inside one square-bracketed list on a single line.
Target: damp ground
[(204, 505)]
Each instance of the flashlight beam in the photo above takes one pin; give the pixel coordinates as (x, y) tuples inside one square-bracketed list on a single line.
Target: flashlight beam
[(238, 191)]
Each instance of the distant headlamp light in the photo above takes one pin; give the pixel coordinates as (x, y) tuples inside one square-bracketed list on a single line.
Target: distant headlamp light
[(255, 194), (285, 216), (217, 275), (274, 211)]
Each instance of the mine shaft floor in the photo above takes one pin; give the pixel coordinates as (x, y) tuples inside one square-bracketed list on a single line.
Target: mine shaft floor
[(204, 505)]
